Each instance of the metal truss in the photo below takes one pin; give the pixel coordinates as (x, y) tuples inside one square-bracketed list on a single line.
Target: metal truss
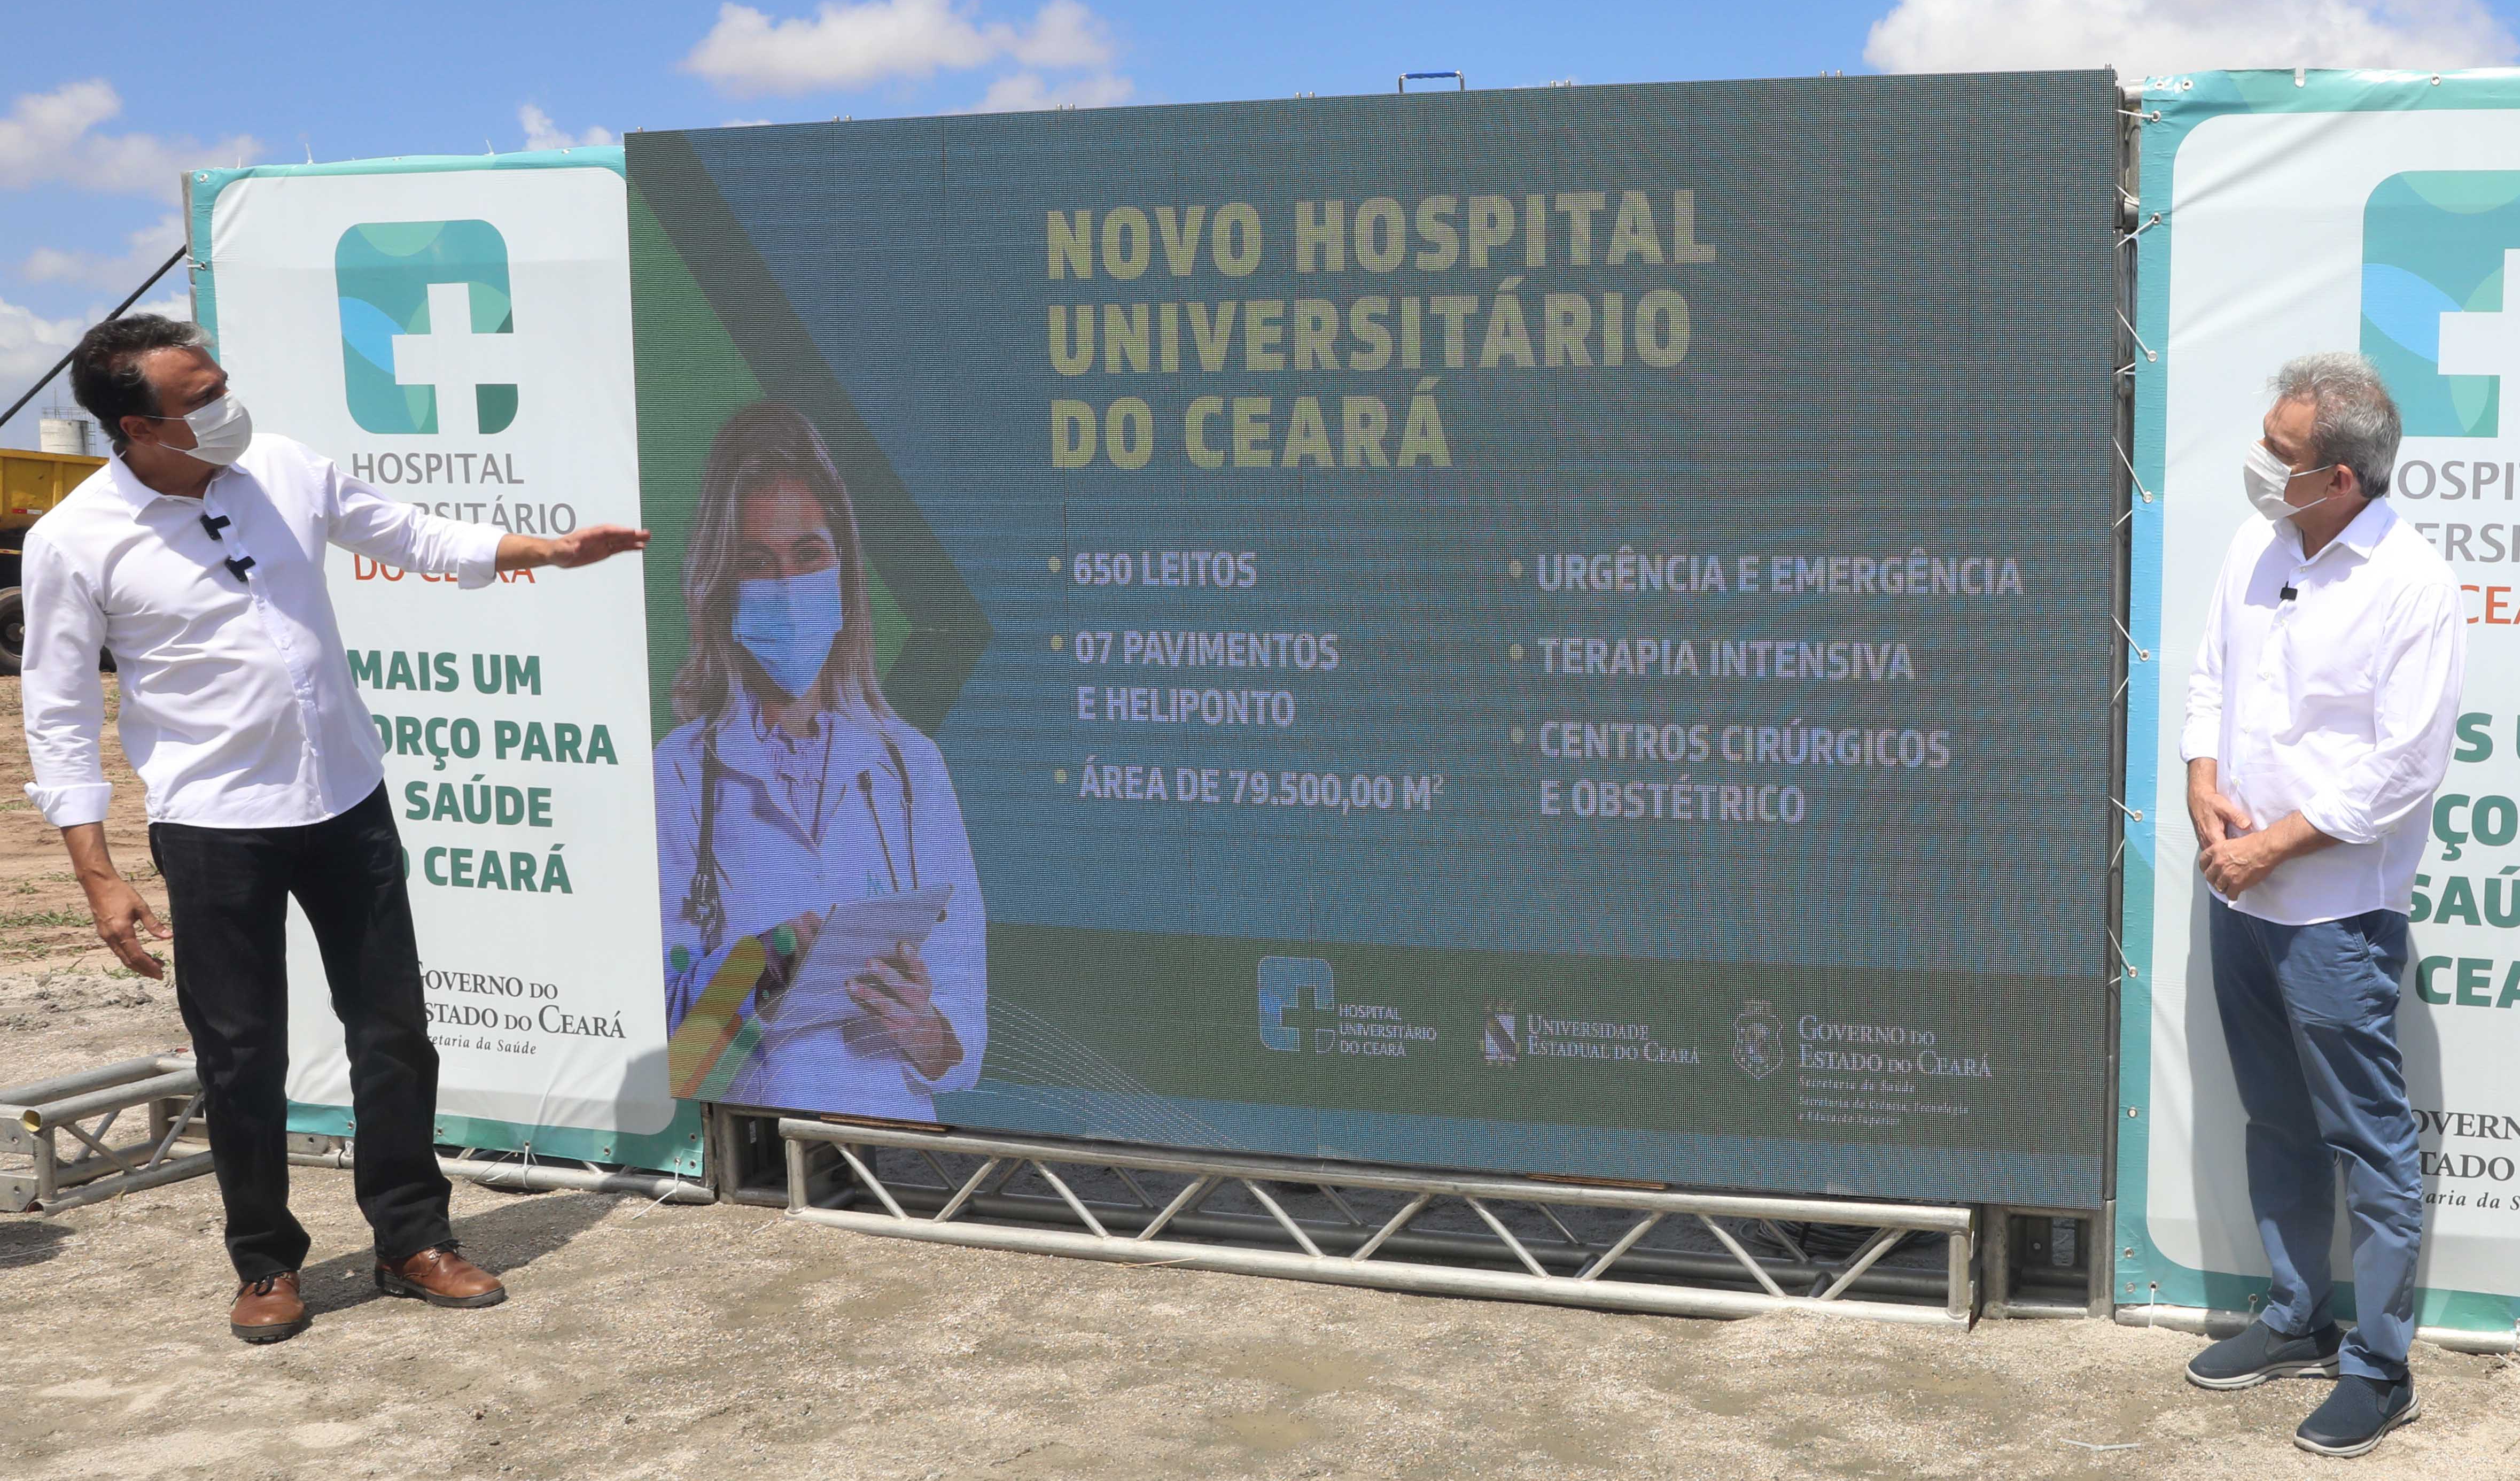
[(166, 1091), (1571, 1243)]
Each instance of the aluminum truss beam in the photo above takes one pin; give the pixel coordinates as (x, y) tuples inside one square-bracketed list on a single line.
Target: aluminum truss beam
[(834, 1165), (86, 1106)]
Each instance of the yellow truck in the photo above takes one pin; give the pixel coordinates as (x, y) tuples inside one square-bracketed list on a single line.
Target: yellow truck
[(30, 484)]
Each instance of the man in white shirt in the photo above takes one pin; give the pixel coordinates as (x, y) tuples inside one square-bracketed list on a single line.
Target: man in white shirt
[(196, 557), (2319, 720)]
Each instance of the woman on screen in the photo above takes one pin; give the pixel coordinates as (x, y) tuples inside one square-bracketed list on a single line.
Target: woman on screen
[(824, 938)]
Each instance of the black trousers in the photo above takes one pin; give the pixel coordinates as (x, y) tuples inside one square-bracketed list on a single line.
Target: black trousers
[(229, 890)]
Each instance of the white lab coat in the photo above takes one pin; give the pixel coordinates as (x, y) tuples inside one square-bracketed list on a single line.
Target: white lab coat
[(796, 831)]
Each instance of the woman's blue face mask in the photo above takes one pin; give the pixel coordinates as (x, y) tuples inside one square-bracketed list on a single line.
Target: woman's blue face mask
[(788, 625)]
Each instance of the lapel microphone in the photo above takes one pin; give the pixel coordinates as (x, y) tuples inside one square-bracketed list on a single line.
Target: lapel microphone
[(2287, 594), (215, 523), (238, 567)]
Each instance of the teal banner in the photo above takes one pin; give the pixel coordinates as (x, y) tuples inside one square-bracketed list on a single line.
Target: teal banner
[(2284, 212)]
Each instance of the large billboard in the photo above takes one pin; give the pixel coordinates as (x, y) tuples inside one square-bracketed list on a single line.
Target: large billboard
[(456, 333), (2282, 213), (1565, 631)]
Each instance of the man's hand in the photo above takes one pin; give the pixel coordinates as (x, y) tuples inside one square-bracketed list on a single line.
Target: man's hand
[(121, 916), (2238, 863), (2214, 816), (2235, 864), (579, 547)]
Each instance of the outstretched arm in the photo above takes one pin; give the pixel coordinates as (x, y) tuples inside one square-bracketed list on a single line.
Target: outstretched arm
[(579, 547)]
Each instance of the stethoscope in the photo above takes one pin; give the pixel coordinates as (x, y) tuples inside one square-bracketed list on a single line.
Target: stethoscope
[(899, 768)]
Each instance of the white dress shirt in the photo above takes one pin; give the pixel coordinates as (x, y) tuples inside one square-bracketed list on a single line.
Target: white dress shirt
[(805, 825), (238, 708), (2336, 702)]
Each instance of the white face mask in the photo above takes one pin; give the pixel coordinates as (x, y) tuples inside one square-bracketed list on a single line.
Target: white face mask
[(2265, 477), (220, 431)]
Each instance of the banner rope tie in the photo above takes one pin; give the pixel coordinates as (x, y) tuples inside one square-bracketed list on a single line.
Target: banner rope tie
[(2131, 475), (2148, 349), (2142, 654), (2147, 224), (671, 1189), (2125, 969)]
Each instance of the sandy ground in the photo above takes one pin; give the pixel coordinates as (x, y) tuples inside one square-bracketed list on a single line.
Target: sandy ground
[(43, 916), (704, 1342)]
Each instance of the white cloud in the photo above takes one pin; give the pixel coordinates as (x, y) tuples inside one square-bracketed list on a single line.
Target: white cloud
[(847, 45), (542, 133), (29, 343), (175, 305), (1026, 92), (148, 247), (1064, 34), (51, 138), (2155, 37)]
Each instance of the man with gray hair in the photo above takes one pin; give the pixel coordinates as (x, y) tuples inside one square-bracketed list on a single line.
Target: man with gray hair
[(2318, 723)]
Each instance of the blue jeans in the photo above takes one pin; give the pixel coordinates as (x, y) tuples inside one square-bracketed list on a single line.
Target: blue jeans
[(2311, 1014)]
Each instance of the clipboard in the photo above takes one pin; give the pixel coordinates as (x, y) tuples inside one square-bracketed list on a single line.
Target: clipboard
[(876, 925), (716, 1038)]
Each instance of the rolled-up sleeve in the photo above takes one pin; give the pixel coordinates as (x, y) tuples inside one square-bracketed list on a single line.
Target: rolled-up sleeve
[(63, 696), (387, 530), (2200, 739), (2423, 662)]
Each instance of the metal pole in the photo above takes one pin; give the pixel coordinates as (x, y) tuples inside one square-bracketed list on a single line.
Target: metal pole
[(1959, 1295), (541, 1177), (176, 1170), (2122, 262), (44, 1117), (2213, 1323), (18, 1098), (163, 269)]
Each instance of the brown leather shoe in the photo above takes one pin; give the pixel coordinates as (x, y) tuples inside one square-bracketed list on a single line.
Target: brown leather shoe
[(441, 1277), (268, 1310)]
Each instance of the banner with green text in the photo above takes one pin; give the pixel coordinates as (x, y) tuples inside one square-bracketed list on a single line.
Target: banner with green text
[(1564, 631), (456, 333), (2285, 212)]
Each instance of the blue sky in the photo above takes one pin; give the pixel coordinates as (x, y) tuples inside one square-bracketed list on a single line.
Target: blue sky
[(96, 120)]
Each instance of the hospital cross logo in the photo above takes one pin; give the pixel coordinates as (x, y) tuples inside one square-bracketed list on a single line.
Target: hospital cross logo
[(1293, 988), (428, 336), (2438, 247)]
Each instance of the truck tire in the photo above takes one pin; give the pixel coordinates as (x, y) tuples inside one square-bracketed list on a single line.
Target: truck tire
[(13, 630)]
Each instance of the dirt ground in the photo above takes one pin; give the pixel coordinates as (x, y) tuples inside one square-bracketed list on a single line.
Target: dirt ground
[(672, 1341)]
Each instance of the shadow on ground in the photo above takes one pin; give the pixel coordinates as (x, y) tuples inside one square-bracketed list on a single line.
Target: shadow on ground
[(31, 1243), (505, 1239)]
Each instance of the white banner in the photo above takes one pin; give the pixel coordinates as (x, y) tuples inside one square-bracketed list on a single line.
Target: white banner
[(459, 337), (2382, 232)]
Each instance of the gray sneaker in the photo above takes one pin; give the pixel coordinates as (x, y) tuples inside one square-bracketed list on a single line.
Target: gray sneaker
[(2358, 1415), (2260, 1353)]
